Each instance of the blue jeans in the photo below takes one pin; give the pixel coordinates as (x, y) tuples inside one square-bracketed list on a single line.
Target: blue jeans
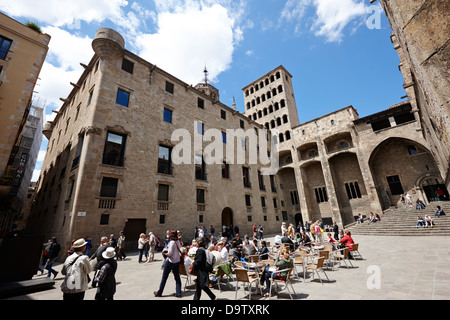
[(49, 265), (170, 267)]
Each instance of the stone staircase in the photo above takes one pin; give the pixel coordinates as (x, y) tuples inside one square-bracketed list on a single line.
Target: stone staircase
[(402, 222)]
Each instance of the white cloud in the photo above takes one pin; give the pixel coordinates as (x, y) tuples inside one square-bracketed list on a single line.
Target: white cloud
[(35, 175), (41, 156), (331, 16), (65, 12), (189, 37)]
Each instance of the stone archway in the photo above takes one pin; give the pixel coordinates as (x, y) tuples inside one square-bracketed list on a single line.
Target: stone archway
[(227, 217), (434, 189)]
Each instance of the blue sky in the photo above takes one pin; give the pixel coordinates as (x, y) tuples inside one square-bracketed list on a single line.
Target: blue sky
[(338, 51)]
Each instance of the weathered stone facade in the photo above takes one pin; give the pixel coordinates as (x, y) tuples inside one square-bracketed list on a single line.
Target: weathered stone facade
[(110, 163)]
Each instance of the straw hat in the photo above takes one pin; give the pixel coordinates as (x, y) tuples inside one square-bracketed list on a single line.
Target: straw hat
[(79, 243)]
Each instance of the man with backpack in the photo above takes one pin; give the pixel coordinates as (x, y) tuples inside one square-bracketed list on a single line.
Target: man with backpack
[(76, 269)]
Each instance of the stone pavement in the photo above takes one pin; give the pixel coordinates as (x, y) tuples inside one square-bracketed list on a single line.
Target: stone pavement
[(393, 268)]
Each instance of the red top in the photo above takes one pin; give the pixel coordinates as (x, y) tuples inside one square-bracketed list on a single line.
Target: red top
[(348, 241)]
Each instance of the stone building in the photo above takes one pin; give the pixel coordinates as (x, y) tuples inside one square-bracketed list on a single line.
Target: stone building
[(114, 160), (109, 165), (22, 54), (421, 37)]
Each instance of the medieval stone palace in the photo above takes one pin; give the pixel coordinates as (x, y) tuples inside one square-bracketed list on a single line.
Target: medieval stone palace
[(114, 160)]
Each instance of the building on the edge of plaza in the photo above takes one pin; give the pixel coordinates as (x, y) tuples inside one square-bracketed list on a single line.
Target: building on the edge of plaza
[(421, 37), (109, 166), (22, 54)]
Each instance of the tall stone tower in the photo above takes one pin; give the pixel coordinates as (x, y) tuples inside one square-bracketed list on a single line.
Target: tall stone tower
[(270, 101)]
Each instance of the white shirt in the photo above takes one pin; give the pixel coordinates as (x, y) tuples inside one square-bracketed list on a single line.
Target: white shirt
[(224, 255), (76, 274), (173, 251)]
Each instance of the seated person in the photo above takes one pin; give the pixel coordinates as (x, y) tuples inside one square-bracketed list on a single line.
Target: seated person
[(330, 238), (286, 239), (264, 252), (347, 242), (248, 250), (305, 240), (420, 222), (234, 252), (281, 263), (439, 212), (237, 239)]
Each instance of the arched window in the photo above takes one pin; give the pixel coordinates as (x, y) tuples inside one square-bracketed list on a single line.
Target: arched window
[(248, 105), (285, 118), (272, 124), (268, 95), (261, 84), (278, 121), (251, 90), (256, 87), (253, 103), (281, 137), (282, 103), (246, 93), (277, 106), (266, 81), (288, 135), (274, 92), (254, 116), (258, 100), (278, 75), (272, 78), (270, 109), (266, 125), (265, 111), (280, 88), (263, 97), (259, 114)]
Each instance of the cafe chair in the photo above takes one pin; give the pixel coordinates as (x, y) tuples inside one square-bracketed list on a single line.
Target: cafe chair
[(242, 275)]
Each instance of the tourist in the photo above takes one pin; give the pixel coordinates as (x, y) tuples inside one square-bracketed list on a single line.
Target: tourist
[(106, 279), (284, 230), (121, 247), (234, 252), (52, 255), (439, 212), (282, 262), (347, 242), (76, 269), (142, 241), (264, 252), (172, 264), (420, 204), (200, 266), (360, 219), (151, 245), (428, 221), (260, 231), (420, 222)]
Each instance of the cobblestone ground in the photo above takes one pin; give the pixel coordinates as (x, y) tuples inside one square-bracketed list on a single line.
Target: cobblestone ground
[(392, 268)]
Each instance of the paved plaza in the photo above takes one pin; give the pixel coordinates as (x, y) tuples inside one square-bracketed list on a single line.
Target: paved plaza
[(393, 268)]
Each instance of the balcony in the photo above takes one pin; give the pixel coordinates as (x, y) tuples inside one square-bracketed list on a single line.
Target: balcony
[(107, 203)]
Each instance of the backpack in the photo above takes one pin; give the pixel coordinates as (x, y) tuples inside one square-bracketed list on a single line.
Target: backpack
[(210, 260)]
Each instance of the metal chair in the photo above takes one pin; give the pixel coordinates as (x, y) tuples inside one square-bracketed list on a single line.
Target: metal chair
[(183, 273), (286, 282), (343, 255), (318, 267), (242, 275), (354, 251)]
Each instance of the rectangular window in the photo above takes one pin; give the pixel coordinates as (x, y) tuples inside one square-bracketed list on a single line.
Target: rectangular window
[(248, 200), (165, 160), (163, 192), (70, 190), (169, 87), (104, 219), (223, 114), (353, 191), (162, 219), (123, 98), (294, 197), (5, 44), (272, 183), (263, 202), (114, 149), (321, 194), (76, 160), (246, 177), (200, 128), (395, 185), (242, 124), (200, 103), (109, 187), (127, 66), (200, 195), (275, 203), (224, 137), (167, 115), (225, 170), (200, 168), (261, 181)]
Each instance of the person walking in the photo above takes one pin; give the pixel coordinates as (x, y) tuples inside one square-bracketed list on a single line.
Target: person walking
[(97, 257), (52, 255), (335, 230), (152, 244), (202, 269), (141, 246), (76, 269), (106, 279), (171, 264), (121, 247)]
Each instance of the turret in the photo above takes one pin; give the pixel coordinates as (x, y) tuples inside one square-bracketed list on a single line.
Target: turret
[(108, 44)]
